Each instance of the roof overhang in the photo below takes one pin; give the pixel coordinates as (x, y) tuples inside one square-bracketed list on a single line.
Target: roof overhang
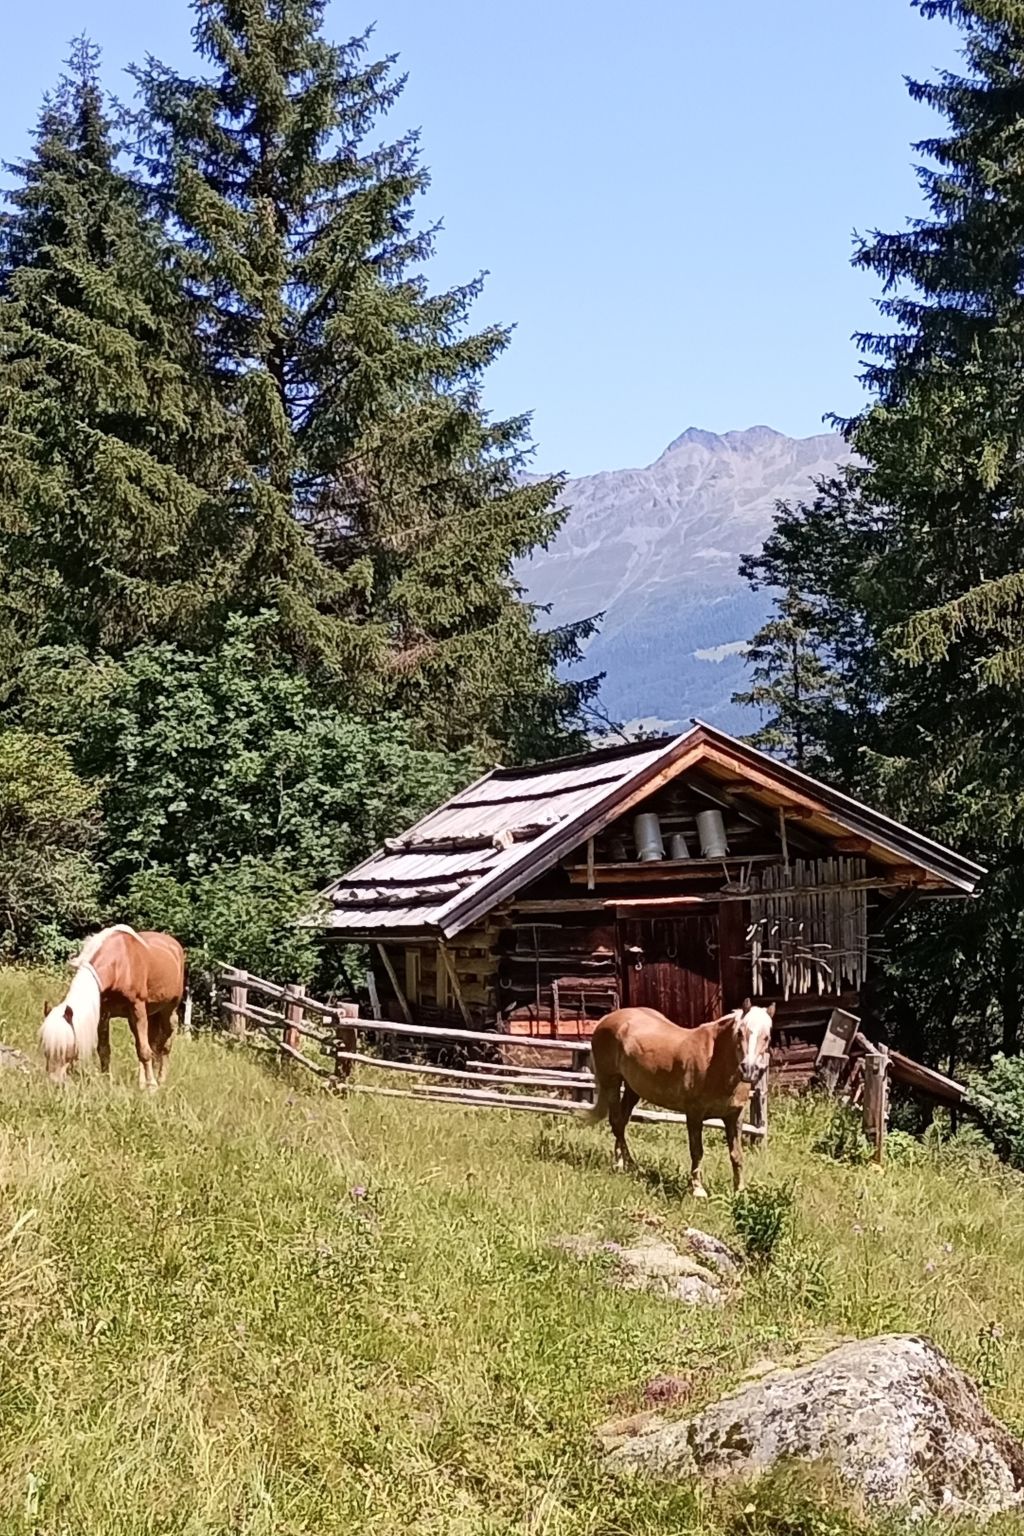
[(743, 777)]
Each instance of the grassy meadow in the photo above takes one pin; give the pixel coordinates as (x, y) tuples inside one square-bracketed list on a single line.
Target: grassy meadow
[(244, 1306)]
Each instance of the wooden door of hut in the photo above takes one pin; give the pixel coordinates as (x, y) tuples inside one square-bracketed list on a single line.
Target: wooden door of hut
[(672, 964)]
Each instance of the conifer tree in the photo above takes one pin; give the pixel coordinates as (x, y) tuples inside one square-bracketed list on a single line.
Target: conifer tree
[(927, 575), (110, 437), (789, 682), (356, 390)]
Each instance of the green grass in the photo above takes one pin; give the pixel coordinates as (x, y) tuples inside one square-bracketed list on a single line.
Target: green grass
[(205, 1327)]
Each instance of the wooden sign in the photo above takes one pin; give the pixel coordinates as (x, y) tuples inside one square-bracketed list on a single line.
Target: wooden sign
[(839, 1035)]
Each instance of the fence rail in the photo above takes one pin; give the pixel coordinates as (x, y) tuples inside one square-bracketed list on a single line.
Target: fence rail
[(487, 1084)]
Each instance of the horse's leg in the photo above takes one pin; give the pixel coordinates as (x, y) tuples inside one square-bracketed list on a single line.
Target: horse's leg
[(734, 1136), (162, 1036), (140, 1029), (103, 1043), (695, 1132), (618, 1119)]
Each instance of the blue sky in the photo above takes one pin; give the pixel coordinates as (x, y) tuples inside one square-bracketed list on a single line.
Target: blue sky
[(663, 192)]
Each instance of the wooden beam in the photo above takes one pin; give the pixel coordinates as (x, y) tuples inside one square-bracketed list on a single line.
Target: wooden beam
[(403, 1001), (852, 845), (498, 1100), (750, 811), (564, 904), (898, 904), (453, 977), (590, 863)]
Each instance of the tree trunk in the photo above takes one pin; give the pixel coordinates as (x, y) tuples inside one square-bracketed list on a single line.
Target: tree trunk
[(1009, 992)]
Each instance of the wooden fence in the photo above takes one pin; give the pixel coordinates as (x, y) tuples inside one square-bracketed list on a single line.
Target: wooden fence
[(286, 1018)]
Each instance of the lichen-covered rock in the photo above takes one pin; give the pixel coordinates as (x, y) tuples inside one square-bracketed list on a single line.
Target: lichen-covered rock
[(898, 1422), (13, 1060), (653, 1264), (711, 1250)]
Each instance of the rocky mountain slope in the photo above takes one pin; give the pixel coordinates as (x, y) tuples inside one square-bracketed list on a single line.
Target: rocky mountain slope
[(657, 549)]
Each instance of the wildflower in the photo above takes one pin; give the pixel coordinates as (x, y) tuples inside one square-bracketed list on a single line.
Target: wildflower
[(358, 1192)]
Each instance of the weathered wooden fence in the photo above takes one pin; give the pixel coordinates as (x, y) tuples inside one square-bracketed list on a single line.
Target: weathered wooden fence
[(341, 1038)]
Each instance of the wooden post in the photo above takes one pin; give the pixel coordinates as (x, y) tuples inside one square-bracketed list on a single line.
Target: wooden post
[(784, 840), (453, 977), (239, 999), (346, 1038), (876, 1101), (759, 1105), (371, 987), (590, 864), (403, 1001), (293, 1012)]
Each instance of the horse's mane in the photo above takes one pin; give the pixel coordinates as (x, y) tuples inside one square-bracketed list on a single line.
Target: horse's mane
[(90, 949)]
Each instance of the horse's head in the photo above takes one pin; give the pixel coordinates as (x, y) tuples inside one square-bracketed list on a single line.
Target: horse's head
[(753, 1038)]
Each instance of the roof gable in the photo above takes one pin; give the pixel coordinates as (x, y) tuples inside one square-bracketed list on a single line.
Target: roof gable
[(512, 825)]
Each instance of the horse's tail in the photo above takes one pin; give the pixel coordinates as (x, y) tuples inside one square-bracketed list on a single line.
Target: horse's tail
[(184, 1008), (65, 1039), (607, 1081)]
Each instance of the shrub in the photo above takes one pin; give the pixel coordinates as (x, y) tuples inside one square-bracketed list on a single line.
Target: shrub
[(902, 1148), (842, 1137), (243, 913), (997, 1097), (48, 826), (763, 1218)]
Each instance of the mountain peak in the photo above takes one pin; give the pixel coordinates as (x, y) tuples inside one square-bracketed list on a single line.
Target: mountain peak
[(722, 442), (657, 551)]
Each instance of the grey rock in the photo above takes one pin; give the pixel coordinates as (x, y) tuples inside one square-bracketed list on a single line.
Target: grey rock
[(656, 550), (13, 1060), (653, 1264), (901, 1425), (713, 1251)]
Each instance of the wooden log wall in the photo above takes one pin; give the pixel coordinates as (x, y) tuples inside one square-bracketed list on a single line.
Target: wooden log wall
[(471, 956), (556, 973)]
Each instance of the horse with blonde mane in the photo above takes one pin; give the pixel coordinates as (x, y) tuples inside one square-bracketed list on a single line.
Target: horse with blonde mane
[(119, 974), (705, 1073)]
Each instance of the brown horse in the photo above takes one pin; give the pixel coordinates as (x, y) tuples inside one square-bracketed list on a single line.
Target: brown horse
[(707, 1072), (119, 974)]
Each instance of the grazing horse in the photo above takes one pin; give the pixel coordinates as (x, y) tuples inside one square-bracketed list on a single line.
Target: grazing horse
[(636, 1053), (119, 974)]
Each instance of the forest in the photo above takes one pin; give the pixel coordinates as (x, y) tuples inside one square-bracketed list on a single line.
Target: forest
[(258, 528), (893, 663)]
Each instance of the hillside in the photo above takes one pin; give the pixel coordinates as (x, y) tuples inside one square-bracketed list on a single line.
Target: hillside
[(241, 1306), (657, 551)]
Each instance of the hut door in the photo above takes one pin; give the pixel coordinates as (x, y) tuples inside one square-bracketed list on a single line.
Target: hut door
[(672, 964)]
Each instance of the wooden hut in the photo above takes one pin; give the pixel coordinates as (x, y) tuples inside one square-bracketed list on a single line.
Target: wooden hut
[(682, 874)]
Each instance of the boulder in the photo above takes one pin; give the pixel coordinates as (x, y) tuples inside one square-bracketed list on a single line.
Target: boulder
[(13, 1060), (653, 1263), (901, 1426)]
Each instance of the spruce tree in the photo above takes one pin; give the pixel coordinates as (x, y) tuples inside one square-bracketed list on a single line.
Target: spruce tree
[(789, 682), (943, 446), (356, 390), (110, 437), (926, 578)]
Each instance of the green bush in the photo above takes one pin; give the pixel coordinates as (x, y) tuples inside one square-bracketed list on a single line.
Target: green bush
[(763, 1218), (842, 1137), (48, 827), (902, 1148), (997, 1097), (243, 913)]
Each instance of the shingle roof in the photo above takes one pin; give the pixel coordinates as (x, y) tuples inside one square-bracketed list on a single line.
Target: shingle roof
[(493, 837)]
